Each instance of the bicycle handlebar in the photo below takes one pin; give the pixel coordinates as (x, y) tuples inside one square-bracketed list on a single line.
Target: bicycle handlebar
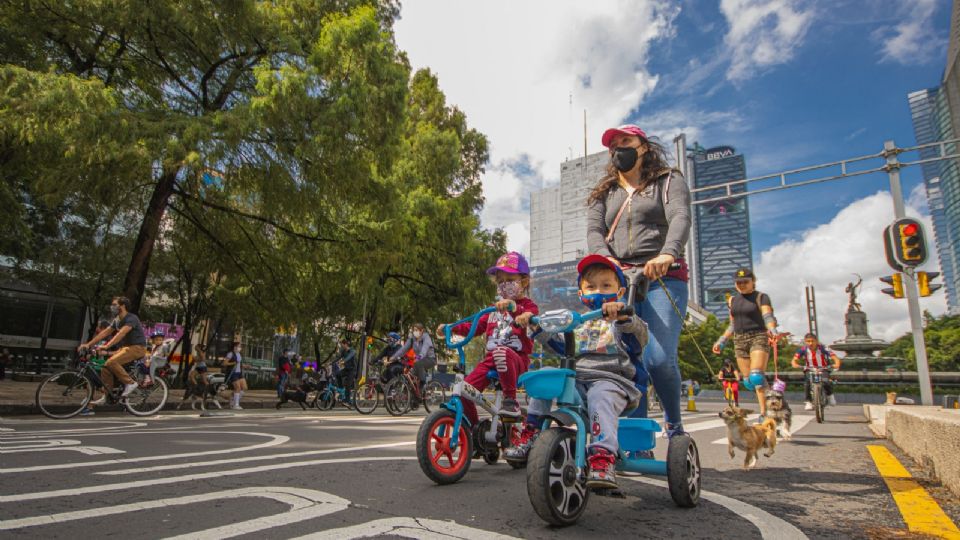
[(565, 320), (474, 320)]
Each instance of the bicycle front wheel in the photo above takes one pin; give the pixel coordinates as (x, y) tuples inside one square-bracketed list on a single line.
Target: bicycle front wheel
[(366, 398), (400, 395), (63, 395), (433, 396)]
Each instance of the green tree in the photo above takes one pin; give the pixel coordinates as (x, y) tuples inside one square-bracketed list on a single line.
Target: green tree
[(942, 338)]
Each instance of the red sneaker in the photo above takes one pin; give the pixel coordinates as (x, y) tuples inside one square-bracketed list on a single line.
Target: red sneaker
[(602, 474), (520, 448)]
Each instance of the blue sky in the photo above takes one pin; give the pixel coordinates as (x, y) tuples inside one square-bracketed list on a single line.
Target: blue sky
[(789, 83)]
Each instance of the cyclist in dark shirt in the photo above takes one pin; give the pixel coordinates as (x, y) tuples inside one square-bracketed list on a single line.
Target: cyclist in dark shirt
[(394, 368), (729, 377), (128, 333)]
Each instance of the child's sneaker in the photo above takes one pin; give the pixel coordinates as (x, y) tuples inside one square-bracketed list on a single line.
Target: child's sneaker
[(521, 446), (602, 465), (807, 406), (87, 411), (511, 408)]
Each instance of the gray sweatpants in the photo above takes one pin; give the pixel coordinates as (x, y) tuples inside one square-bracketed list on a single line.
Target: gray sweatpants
[(606, 401)]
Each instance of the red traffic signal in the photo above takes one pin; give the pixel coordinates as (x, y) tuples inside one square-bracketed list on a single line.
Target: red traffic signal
[(904, 244)]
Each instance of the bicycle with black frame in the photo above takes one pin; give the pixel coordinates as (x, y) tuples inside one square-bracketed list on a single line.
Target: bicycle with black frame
[(66, 394)]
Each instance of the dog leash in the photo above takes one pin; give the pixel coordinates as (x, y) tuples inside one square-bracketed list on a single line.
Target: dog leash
[(683, 326)]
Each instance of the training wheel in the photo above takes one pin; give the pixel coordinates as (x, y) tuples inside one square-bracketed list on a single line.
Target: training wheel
[(683, 471)]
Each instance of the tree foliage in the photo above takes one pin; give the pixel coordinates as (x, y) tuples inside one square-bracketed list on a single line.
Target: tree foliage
[(942, 338), (274, 161)]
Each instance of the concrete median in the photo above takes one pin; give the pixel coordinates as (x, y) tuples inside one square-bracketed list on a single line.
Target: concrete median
[(929, 435)]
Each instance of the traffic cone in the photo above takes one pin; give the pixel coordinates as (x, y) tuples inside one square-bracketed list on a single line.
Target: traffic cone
[(691, 402)]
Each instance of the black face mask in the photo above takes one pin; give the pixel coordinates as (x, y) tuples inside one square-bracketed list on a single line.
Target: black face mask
[(625, 158)]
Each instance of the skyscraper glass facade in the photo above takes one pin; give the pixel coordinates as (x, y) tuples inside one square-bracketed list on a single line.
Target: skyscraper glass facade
[(722, 227)]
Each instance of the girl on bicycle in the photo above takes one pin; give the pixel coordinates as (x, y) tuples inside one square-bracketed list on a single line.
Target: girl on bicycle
[(508, 345), (729, 377)]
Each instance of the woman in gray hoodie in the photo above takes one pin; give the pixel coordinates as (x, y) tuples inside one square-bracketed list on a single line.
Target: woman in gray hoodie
[(638, 216)]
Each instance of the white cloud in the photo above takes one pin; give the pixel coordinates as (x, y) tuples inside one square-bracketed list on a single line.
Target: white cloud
[(827, 256), (912, 40), (515, 67), (763, 33)]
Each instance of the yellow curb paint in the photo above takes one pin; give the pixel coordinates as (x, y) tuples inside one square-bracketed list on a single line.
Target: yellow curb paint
[(921, 513)]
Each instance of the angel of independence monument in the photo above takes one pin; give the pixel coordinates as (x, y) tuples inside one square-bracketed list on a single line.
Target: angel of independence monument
[(859, 347)]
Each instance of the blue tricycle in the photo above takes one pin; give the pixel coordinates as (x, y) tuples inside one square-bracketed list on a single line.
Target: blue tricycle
[(556, 466), (446, 442)]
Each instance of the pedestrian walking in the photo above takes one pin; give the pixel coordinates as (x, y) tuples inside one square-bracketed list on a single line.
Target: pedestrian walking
[(5, 360), (638, 216), (235, 378)]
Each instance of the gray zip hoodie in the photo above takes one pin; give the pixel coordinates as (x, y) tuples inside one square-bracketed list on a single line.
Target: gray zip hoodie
[(657, 221)]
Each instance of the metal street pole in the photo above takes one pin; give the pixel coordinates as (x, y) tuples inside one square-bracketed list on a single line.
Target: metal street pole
[(890, 152)]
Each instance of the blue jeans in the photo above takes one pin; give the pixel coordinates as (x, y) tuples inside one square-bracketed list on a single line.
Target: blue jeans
[(282, 384), (660, 354)]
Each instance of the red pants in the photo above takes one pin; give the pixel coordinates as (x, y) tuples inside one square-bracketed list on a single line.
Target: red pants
[(508, 363)]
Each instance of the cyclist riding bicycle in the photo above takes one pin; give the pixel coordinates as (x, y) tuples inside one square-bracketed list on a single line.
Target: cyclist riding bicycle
[(815, 355), (729, 376), (128, 333), (394, 367)]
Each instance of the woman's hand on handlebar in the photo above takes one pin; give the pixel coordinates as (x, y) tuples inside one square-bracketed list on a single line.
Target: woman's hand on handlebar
[(611, 311), (658, 266)]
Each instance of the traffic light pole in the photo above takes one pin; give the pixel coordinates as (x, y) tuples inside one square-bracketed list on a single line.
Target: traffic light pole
[(910, 284)]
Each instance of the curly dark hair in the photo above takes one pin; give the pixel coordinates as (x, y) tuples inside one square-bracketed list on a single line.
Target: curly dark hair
[(654, 165)]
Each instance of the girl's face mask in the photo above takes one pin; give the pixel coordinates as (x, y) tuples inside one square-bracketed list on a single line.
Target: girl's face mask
[(509, 290)]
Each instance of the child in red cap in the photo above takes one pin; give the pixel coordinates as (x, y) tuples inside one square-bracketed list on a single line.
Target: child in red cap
[(508, 345)]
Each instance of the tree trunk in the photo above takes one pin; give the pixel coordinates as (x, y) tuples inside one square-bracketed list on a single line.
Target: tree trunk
[(136, 279)]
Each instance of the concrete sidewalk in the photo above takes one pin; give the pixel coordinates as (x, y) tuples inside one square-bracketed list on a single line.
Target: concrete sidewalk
[(18, 397)]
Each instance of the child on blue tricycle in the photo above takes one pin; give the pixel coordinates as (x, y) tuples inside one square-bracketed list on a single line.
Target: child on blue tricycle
[(594, 390)]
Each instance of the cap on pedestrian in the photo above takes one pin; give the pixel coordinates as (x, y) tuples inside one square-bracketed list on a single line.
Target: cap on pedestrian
[(591, 260), (744, 273), (511, 263), (626, 129)]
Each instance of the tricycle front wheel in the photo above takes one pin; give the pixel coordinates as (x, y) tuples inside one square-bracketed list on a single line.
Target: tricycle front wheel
[(555, 486)]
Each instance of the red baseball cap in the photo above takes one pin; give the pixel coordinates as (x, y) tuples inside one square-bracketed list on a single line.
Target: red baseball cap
[(626, 129), (599, 259)]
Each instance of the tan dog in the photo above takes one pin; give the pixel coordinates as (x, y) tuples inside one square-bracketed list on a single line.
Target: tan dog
[(747, 437)]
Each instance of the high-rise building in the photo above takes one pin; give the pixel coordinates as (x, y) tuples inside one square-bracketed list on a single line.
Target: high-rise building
[(721, 229), (936, 117), (923, 108)]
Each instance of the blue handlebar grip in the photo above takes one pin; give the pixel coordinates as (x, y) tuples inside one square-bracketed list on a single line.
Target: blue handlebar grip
[(474, 321)]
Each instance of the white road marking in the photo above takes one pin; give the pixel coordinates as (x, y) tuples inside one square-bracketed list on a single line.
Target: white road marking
[(186, 478), (87, 450), (423, 529), (275, 440), (32, 444), (304, 504), (125, 425), (799, 422), (769, 525), (702, 426), (179, 466)]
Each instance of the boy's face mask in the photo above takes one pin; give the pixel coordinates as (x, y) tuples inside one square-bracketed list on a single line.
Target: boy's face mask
[(596, 300)]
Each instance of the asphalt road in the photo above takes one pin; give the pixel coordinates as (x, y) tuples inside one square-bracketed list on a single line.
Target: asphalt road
[(292, 474)]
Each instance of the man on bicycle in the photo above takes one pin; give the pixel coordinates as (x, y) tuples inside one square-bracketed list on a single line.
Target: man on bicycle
[(348, 368), (394, 367), (128, 333), (815, 355)]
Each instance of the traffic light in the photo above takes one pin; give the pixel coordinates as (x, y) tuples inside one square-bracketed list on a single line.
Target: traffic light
[(923, 283), (896, 280), (904, 244)]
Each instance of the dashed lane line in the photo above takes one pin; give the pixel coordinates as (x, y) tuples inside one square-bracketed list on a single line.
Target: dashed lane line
[(185, 478), (180, 466), (920, 511), (275, 440)]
